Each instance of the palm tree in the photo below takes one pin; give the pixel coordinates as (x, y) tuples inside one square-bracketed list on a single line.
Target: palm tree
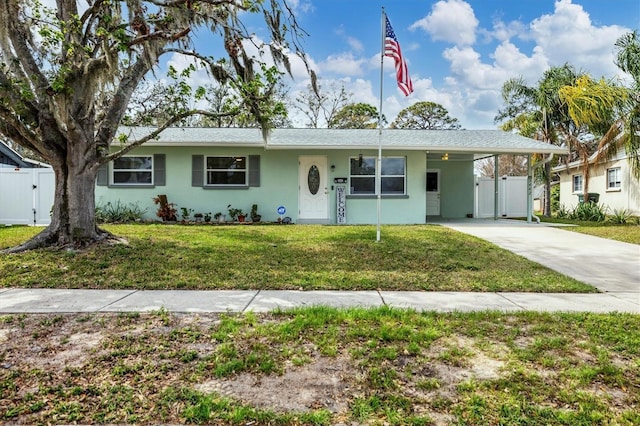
[(628, 60), (594, 106), (539, 113), (610, 110)]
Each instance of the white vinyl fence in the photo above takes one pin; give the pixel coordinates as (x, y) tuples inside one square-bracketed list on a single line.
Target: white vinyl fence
[(26, 196), (512, 196)]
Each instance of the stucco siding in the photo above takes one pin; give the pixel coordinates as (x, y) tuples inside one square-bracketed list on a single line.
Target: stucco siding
[(457, 188), (627, 197), (279, 186)]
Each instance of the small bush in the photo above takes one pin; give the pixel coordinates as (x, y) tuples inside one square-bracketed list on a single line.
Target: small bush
[(590, 212), (562, 212), (166, 210), (587, 212), (620, 216), (119, 212), (555, 199)]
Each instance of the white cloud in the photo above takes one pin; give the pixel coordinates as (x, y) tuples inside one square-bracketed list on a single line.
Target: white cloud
[(568, 35), (515, 63), (301, 6), (451, 21), (468, 68), (504, 31), (355, 44), (342, 63)]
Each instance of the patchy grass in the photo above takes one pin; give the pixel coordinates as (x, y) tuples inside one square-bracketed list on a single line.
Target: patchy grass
[(626, 232), (282, 257), (321, 366)]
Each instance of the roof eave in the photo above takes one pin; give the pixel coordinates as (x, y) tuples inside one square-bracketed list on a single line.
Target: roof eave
[(452, 149)]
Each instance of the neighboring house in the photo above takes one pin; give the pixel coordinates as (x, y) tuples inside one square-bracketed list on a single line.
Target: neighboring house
[(613, 181), (11, 159), (317, 175)]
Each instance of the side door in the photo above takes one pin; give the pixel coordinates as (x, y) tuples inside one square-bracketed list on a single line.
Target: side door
[(433, 192)]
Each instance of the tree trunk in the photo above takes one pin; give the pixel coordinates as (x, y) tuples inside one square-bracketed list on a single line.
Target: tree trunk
[(73, 216)]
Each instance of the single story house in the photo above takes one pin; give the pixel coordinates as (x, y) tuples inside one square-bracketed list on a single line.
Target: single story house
[(309, 175), (613, 181)]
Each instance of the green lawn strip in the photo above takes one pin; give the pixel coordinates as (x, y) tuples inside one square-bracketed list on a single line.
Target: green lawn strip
[(385, 366), (626, 232), (420, 257)]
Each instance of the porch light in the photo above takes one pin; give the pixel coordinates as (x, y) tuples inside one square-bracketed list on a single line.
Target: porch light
[(445, 156)]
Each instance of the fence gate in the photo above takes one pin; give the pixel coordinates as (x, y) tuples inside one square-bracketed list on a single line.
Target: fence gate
[(512, 196), (26, 196)]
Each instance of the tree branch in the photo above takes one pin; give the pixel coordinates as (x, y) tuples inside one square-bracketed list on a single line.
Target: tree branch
[(154, 135)]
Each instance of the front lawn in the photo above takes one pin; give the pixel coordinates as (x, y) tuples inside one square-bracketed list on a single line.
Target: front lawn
[(321, 366), (421, 257)]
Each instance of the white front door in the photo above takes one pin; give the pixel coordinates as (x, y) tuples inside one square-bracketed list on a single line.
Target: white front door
[(433, 192), (313, 194)]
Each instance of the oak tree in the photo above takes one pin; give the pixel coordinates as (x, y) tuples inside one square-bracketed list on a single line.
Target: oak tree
[(67, 74), (426, 116)]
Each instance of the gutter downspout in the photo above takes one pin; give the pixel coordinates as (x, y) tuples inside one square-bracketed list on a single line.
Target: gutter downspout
[(530, 178), (496, 191)]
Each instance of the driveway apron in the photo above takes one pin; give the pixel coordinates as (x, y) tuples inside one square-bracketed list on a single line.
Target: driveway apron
[(610, 266)]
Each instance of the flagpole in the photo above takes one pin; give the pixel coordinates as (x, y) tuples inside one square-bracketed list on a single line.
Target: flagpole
[(379, 160)]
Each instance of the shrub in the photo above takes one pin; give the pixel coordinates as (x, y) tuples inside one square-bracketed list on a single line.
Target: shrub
[(119, 212), (620, 216), (562, 212), (166, 210), (590, 212), (555, 199)]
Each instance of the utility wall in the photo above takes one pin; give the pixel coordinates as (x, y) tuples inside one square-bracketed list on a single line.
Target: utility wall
[(512, 196), (26, 196)]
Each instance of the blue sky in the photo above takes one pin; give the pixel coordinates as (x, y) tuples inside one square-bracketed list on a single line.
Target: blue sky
[(458, 52)]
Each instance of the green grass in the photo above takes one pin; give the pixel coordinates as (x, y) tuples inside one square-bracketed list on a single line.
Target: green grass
[(281, 257), (387, 366), (628, 232)]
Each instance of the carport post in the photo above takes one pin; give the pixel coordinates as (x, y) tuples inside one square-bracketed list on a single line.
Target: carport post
[(495, 187), (529, 189)]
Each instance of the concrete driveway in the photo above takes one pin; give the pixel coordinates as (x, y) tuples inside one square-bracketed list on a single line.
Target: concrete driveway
[(610, 266)]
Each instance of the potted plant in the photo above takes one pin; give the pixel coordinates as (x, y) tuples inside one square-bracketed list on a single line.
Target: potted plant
[(198, 217), (255, 217), (186, 213), (207, 217), (166, 210), (219, 217), (236, 214)]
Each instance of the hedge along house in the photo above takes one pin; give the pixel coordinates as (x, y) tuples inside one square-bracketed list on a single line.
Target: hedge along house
[(318, 175)]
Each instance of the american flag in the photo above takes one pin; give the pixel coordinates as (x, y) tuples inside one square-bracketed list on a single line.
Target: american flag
[(392, 49)]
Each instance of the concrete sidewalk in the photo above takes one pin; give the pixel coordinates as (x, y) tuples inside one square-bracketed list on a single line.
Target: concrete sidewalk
[(51, 301), (611, 266)]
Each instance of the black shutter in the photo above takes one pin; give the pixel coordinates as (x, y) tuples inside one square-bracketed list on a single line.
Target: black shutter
[(102, 178), (197, 170), (159, 170), (254, 170)]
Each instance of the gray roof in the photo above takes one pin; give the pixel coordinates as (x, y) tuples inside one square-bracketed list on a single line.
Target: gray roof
[(13, 157), (462, 141)]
